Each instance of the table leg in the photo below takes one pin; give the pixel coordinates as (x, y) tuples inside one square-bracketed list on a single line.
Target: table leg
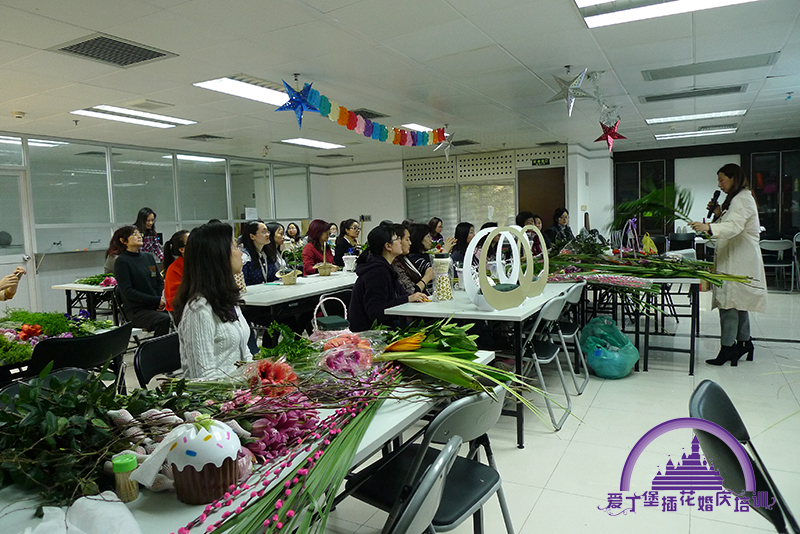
[(694, 296), (518, 369), (646, 355), (69, 302), (91, 303)]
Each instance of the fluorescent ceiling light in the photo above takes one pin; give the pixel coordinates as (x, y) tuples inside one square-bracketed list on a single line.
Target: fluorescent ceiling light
[(204, 159), (120, 118), (697, 116), (233, 87), (144, 114), (147, 163), (417, 127), (661, 9), (312, 143), (703, 133), (587, 3)]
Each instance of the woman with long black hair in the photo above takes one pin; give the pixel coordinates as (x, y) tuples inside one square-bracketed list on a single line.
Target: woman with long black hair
[(212, 330), (347, 242), (377, 288), (736, 229), (410, 278), (257, 269), (146, 224), (464, 233), (318, 232)]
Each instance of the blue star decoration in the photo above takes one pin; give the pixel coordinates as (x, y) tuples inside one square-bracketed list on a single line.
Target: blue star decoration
[(298, 101), (569, 90), (609, 134)]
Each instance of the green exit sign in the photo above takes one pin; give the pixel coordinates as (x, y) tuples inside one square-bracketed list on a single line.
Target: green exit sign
[(540, 161)]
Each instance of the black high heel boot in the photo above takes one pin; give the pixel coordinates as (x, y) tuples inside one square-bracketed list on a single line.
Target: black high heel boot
[(726, 354), (746, 347)]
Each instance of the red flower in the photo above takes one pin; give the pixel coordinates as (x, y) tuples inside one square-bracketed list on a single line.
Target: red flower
[(269, 374)]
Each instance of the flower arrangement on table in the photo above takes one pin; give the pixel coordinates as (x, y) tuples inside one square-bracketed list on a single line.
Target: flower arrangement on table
[(301, 417), (21, 330), (102, 280)]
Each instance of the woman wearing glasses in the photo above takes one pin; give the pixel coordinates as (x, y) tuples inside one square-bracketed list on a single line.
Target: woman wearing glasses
[(377, 287), (347, 242), (146, 224), (257, 269)]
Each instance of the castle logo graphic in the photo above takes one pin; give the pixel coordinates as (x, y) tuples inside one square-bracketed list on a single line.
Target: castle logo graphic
[(692, 473)]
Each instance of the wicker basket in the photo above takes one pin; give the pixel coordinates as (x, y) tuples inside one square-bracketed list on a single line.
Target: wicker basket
[(288, 278), (325, 269)]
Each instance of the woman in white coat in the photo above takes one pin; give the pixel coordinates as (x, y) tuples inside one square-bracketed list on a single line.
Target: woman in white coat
[(736, 229)]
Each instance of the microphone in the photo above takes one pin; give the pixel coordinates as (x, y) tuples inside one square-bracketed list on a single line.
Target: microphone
[(714, 199)]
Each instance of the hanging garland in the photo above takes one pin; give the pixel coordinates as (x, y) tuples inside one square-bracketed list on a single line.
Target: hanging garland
[(373, 130)]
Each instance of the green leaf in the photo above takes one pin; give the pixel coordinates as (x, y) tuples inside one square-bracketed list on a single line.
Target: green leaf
[(442, 370), (99, 423)]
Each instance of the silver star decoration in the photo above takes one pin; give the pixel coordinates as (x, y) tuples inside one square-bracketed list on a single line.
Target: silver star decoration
[(570, 90), (447, 144)]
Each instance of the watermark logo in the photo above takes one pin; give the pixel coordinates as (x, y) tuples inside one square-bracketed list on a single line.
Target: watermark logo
[(693, 482)]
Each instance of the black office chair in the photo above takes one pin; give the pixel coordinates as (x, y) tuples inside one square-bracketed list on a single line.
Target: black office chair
[(12, 390), (710, 402), (88, 352), (681, 241), (660, 242), (415, 513), (157, 356)]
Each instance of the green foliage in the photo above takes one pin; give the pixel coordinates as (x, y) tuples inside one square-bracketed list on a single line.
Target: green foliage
[(94, 280), (294, 258), (53, 323), (670, 203), (293, 348), (12, 352)]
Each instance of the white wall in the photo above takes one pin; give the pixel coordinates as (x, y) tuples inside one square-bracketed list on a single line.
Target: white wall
[(699, 175), (344, 193), (590, 183)]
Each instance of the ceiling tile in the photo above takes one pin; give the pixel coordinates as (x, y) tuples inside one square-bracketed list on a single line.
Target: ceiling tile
[(94, 14), (21, 27)]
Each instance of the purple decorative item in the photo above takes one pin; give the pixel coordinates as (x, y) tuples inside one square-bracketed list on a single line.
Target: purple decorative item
[(368, 128), (630, 227), (298, 102)]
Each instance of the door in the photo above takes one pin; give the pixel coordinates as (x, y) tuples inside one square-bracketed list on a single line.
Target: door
[(542, 191), (15, 240)]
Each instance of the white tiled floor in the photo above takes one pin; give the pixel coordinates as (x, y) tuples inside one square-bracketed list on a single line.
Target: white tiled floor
[(557, 482)]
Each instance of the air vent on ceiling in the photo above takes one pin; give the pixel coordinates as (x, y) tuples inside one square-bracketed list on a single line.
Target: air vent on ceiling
[(96, 154), (694, 93), (205, 137), (259, 82), (550, 143), (369, 114), (112, 50), (333, 156), (711, 67), (464, 142), (718, 127)]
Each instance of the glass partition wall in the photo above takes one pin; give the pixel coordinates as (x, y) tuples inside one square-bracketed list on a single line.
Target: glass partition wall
[(81, 192)]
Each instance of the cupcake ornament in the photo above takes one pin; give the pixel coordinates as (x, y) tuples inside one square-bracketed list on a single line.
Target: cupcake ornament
[(203, 457)]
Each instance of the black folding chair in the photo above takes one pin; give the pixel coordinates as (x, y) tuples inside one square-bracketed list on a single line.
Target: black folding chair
[(157, 356)]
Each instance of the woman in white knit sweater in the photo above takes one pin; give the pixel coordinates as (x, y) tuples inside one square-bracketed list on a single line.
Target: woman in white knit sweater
[(212, 330)]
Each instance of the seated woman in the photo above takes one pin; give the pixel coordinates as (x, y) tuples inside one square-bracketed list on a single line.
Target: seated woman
[(420, 245), (257, 268), (435, 227), (347, 242), (317, 242), (377, 288), (173, 263), (293, 237), (140, 284), (115, 248), (212, 330), (464, 233), (273, 248), (526, 218), (560, 231), (407, 274), (482, 243)]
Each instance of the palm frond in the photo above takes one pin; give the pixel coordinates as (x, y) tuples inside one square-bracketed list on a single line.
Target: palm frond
[(669, 203)]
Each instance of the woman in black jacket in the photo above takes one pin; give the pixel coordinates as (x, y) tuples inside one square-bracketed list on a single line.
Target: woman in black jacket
[(377, 288)]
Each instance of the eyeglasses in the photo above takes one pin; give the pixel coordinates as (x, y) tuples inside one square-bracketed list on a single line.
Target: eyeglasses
[(355, 227)]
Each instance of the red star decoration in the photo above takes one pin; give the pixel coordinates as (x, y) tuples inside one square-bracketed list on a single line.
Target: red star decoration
[(609, 134)]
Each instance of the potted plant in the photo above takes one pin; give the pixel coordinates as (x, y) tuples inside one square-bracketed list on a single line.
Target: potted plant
[(293, 259)]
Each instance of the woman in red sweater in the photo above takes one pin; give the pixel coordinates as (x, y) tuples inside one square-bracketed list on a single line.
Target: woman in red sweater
[(318, 232), (173, 261)]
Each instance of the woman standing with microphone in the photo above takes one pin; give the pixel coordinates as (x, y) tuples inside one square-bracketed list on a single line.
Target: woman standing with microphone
[(736, 228)]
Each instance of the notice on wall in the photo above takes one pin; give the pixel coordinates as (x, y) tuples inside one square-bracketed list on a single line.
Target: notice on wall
[(251, 214)]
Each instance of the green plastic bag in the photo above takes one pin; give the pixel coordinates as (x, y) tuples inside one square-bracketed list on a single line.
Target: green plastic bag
[(608, 351)]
